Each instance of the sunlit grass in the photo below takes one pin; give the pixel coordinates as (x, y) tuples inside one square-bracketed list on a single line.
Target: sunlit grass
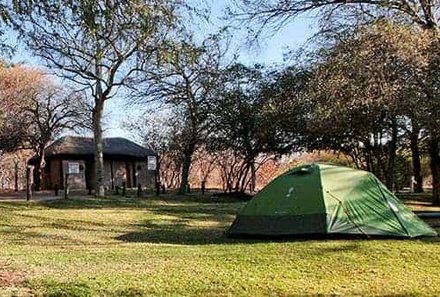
[(130, 247)]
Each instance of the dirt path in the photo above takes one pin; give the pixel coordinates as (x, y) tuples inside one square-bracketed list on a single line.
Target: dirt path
[(21, 196)]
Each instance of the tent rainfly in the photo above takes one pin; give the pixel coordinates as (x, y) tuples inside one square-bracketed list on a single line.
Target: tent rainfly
[(327, 199)]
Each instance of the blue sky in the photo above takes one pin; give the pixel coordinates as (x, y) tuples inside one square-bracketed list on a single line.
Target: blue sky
[(270, 51), (273, 45)]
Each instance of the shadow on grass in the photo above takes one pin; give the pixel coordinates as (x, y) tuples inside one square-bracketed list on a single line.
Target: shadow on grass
[(184, 236), (177, 208), (181, 235), (185, 223), (192, 232), (87, 202), (95, 203), (167, 220)]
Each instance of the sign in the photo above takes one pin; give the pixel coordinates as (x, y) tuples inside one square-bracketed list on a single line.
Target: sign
[(151, 163), (73, 168)]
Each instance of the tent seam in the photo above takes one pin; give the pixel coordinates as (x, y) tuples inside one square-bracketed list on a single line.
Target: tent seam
[(322, 195), (347, 213), (389, 207)]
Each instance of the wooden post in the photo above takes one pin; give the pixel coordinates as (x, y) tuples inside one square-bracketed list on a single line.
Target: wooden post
[(139, 190), (90, 191), (157, 182), (16, 177), (28, 183), (124, 188), (66, 186), (203, 187), (163, 188), (188, 188), (112, 178), (56, 190)]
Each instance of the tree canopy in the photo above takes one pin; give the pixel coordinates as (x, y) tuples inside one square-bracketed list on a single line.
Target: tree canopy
[(100, 46)]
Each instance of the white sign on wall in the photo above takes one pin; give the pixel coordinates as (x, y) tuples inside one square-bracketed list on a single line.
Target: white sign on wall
[(73, 168), (151, 163)]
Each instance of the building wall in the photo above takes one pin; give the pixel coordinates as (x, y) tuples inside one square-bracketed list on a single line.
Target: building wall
[(144, 177), (107, 175), (119, 172), (77, 181), (53, 176), (130, 172), (116, 170), (131, 178)]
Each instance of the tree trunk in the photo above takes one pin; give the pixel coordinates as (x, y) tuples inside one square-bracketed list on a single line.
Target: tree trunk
[(186, 165), (434, 151), (16, 176), (415, 156), (254, 177), (99, 149), (37, 176), (389, 178), (28, 183), (244, 178), (368, 157), (39, 168), (239, 176)]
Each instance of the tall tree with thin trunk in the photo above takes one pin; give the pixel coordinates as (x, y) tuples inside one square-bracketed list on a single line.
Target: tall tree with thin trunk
[(414, 144), (100, 45), (186, 78)]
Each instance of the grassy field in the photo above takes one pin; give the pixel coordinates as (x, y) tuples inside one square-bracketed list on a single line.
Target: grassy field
[(130, 247)]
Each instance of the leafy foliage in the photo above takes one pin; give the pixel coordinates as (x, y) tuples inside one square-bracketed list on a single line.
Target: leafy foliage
[(101, 46), (186, 77), (18, 85)]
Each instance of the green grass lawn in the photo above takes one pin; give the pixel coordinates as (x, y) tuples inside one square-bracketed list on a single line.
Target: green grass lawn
[(130, 247)]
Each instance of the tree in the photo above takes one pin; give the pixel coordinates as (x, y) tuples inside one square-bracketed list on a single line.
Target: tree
[(276, 13), (204, 163), (53, 110), (161, 130), (101, 46), (185, 78), (35, 111), (230, 164), (341, 14), (371, 86), (18, 85), (357, 95), (248, 120)]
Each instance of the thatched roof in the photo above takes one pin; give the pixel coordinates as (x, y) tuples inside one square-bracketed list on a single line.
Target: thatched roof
[(81, 146)]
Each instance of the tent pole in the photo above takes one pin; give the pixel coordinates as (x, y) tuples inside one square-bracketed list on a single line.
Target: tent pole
[(388, 204), (347, 213)]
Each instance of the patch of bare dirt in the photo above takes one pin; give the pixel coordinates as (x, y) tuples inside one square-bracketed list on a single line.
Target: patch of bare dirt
[(10, 277), (21, 195), (417, 205)]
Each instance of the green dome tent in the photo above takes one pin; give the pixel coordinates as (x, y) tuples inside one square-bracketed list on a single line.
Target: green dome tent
[(327, 199)]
